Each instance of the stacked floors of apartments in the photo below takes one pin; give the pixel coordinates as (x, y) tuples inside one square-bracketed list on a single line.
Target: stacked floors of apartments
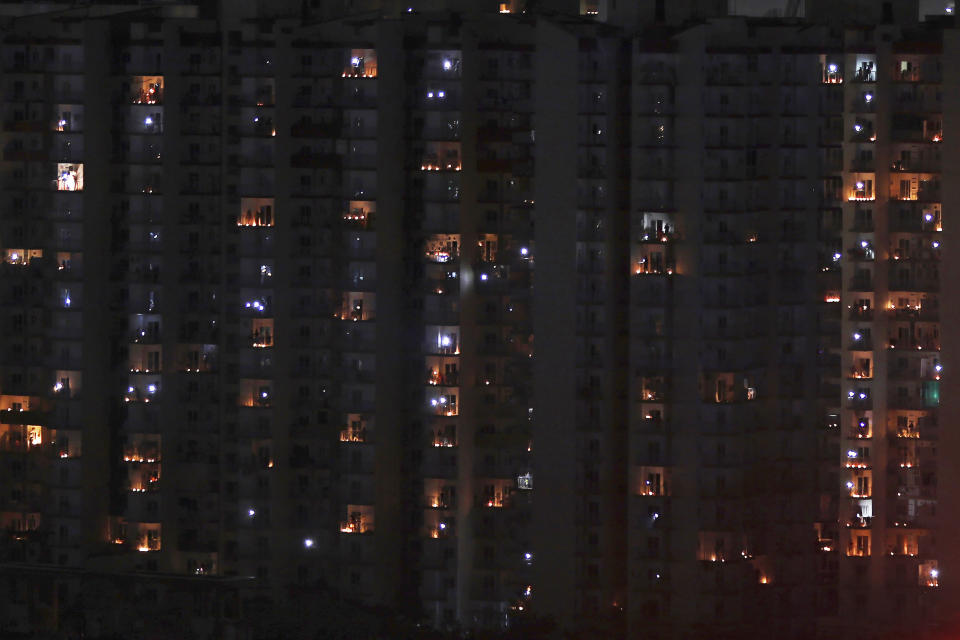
[(272, 289)]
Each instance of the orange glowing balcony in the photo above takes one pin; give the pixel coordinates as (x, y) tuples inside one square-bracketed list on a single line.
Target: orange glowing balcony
[(652, 266), (444, 440), (146, 90), (495, 501), (256, 212), (21, 257), (148, 543), (357, 523), (361, 64), (352, 434)]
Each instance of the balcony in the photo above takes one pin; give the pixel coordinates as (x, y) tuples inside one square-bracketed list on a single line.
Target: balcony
[(256, 212), (146, 90), (353, 433), (358, 522), (362, 63)]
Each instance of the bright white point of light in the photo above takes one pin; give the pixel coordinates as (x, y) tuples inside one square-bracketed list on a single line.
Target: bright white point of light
[(355, 61), (433, 402), (152, 388), (868, 97), (857, 336), (527, 556), (832, 68), (58, 386), (445, 341), (441, 94), (655, 515), (447, 65), (928, 217), (859, 185), (524, 251), (66, 301), (443, 525), (836, 257), (858, 128), (251, 512), (934, 573), (849, 485), (948, 10), (935, 244), (263, 394), (429, 94), (308, 543), (851, 453), (862, 396), (62, 123), (130, 389), (14, 256), (483, 276), (864, 244), (850, 394), (148, 121)]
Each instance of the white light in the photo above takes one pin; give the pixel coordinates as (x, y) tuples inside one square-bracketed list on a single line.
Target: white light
[(928, 217), (862, 396), (864, 244), (433, 402), (655, 515), (483, 277), (857, 336), (14, 256), (66, 301), (851, 453), (264, 394), (858, 127), (934, 573), (938, 368), (445, 341), (859, 185), (447, 65), (832, 68), (849, 485), (355, 61), (443, 525), (151, 388), (62, 123), (851, 393), (148, 121), (308, 543), (441, 94), (936, 244), (524, 251), (430, 94), (836, 257), (527, 556), (868, 97), (251, 512), (58, 386), (129, 389)]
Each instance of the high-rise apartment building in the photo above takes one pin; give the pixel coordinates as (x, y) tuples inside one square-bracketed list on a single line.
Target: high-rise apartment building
[(625, 314)]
